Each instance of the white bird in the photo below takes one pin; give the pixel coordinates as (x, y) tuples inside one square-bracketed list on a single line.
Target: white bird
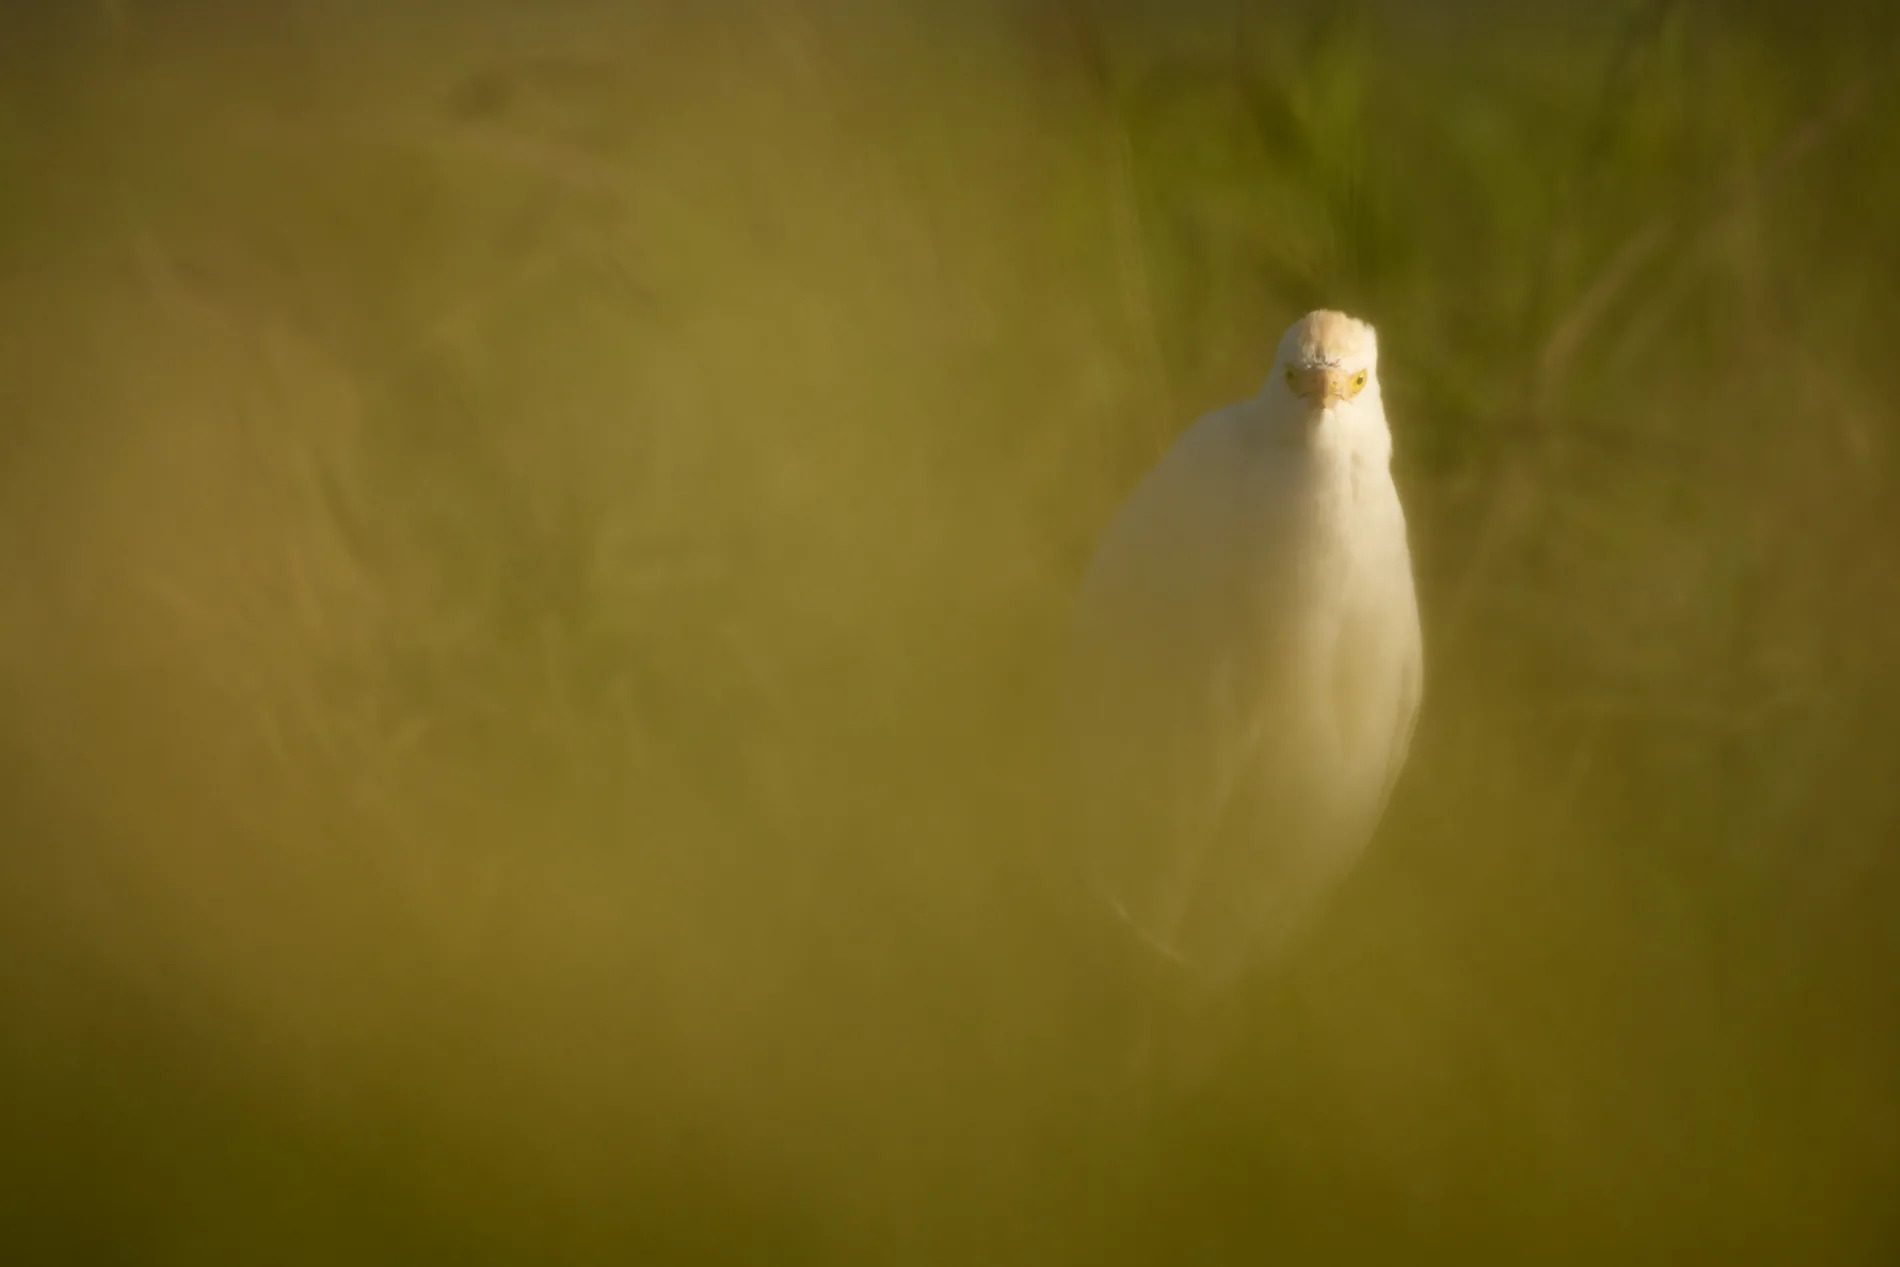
[(1250, 663)]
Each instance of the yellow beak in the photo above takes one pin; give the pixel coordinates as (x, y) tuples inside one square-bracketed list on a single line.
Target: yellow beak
[(1322, 386)]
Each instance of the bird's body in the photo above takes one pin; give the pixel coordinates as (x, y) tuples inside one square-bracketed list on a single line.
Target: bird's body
[(1249, 663)]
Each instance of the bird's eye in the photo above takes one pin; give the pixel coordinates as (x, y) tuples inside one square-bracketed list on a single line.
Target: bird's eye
[(1292, 379), (1359, 380)]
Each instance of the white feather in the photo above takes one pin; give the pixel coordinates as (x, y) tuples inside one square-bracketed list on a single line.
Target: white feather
[(1249, 665)]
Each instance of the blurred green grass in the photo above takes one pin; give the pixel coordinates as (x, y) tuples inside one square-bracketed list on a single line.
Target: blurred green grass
[(530, 540)]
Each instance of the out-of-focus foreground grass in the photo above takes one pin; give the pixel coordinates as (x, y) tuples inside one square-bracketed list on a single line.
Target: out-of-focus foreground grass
[(531, 541)]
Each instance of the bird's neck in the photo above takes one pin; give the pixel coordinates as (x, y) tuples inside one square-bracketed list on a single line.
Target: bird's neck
[(1357, 432), (1351, 440)]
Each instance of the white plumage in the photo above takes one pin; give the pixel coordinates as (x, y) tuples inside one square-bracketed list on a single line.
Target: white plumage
[(1250, 662)]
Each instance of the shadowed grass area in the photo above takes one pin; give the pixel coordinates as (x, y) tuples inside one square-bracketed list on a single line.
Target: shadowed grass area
[(533, 540)]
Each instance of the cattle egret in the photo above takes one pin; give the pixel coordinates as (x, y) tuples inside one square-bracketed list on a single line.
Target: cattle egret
[(1250, 663)]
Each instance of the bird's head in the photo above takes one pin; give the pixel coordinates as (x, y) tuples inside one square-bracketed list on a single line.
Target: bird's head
[(1327, 360)]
